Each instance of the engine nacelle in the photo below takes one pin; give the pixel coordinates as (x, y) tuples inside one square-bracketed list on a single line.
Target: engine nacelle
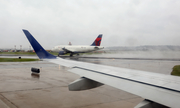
[(96, 48), (62, 52), (83, 84)]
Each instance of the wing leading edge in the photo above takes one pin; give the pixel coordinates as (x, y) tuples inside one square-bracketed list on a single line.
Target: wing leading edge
[(158, 88)]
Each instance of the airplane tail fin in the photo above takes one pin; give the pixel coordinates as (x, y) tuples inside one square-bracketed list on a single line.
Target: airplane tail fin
[(42, 54), (97, 42)]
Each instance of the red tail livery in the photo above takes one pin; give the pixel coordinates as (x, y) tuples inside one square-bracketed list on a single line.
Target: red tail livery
[(97, 42)]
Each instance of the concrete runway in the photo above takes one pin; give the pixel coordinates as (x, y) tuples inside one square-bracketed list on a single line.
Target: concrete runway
[(20, 89)]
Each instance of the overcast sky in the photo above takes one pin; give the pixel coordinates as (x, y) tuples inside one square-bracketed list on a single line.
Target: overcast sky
[(122, 22)]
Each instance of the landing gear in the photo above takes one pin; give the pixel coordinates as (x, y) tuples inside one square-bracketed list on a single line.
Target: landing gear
[(71, 54)]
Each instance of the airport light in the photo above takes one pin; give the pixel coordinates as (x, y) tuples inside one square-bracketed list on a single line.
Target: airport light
[(15, 48), (20, 47)]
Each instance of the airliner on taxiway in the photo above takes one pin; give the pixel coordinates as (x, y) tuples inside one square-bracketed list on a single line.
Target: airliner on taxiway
[(76, 49)]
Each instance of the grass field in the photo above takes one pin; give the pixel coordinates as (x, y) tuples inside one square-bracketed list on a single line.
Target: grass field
[(19, 53), (176, 70), (25, 53), (17, 60), (22, 59)]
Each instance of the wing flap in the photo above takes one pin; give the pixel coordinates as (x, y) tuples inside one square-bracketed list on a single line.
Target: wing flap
[(67, 50), (83, 84)]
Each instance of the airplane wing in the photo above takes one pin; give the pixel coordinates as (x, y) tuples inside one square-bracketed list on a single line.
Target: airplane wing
[(67, 50), (158, 90)]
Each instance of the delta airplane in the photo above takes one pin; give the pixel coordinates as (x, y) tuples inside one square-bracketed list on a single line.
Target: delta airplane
[(76, 49), (158, 90)]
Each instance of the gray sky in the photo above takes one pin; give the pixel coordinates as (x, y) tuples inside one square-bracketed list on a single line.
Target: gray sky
[(122, 22)]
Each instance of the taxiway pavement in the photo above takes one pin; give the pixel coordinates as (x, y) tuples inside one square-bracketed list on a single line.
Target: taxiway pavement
[(21, 89)]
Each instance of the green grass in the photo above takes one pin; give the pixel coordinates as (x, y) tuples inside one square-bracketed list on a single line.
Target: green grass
[(17, 60), (25, 53), (176, 70), (19, 53)]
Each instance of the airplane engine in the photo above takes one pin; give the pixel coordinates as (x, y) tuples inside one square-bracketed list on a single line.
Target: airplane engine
[(83, 84), (96, 48), (61, 53)]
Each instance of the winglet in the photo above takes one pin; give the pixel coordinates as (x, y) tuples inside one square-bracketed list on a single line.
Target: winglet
[(97, 42), (42, 54)]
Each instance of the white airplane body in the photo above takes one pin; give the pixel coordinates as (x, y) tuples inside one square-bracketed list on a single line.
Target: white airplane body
[(82, 49), (158, 90), (76, 49)]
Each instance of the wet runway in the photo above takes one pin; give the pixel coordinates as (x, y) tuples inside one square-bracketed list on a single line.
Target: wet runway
[(20, 89)]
